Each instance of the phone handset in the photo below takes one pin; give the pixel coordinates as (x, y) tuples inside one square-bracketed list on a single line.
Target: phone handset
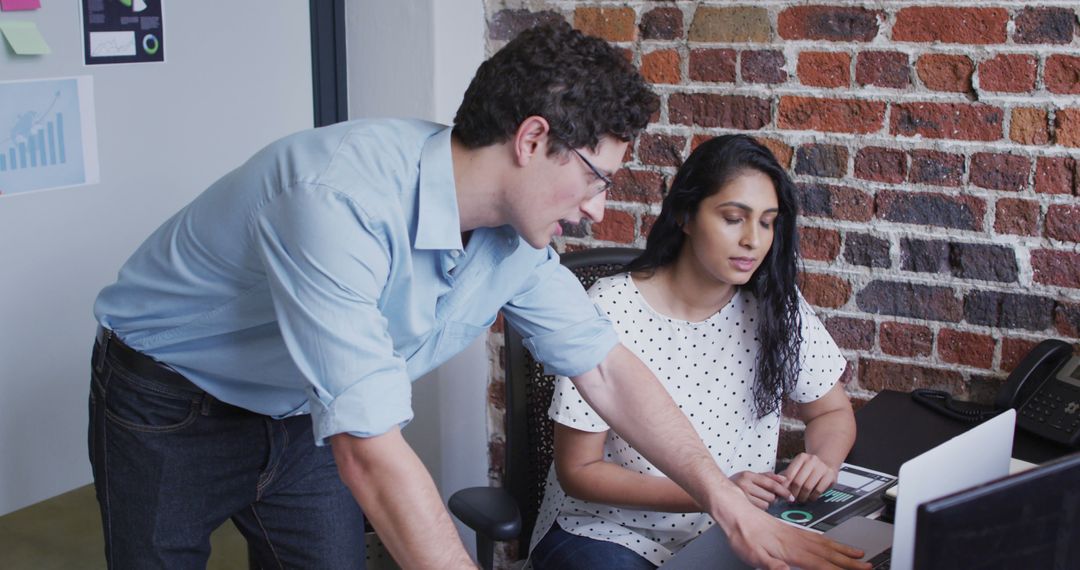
[(1036, 368)]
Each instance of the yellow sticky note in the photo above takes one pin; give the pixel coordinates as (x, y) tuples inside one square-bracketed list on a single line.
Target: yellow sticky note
[(24, 37)]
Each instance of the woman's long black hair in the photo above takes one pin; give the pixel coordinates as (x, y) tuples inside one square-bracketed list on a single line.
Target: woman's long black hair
[(712, 165)]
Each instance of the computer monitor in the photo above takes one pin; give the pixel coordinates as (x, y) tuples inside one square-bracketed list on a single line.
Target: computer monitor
[(1027, 520)]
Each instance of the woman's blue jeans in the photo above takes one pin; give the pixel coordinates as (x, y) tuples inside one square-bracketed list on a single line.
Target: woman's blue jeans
[(171, 464), (560, 550)]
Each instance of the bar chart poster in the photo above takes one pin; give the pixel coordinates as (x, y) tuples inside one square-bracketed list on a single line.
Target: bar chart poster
[(47, 134), (123, 31)]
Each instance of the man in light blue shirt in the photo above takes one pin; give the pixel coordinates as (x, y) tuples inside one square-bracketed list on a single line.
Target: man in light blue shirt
[(293, 302)]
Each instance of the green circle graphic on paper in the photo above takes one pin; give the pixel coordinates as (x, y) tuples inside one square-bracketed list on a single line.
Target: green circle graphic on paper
[(150, 44), (797, 517)]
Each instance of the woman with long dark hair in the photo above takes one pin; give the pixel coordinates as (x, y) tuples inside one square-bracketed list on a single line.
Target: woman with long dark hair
[(712, 307)]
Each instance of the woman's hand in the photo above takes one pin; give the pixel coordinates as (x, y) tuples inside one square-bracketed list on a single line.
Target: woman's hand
[(762, 488), (808, 476)]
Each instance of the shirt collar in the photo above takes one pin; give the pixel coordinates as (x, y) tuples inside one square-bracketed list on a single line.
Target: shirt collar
[(437, 222)]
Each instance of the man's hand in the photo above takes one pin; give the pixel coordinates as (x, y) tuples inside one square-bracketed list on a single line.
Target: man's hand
[(808, 476), (764, 542), (762, 488)]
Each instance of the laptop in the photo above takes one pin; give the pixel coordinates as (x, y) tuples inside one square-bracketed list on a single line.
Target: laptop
[(971, 458)]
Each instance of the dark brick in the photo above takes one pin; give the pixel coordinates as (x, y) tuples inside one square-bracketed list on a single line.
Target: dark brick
[(867, 250), (821, 160), (836, 202), (790, 443), (1013, 351), (851, 334), (947, 121), (819, 244), (1000, 171), (951, 25), (824, 69), (1008, 310), (830, 115), (943, 72), (832, 23), (1063, 222), (959, 212), (983, 388), (937, 168), (725, 111), (969, 349), (901, 339), (642, 186), (662, 24), (883, 69), (578, 230), (1010, 73), (924, 256), (1062, 74), (713, 65), (824, 290), (1067, 319), (1061, 268), (881, 164), (763, 66), (981, 261), (877, 375), (661, 150), (1045, 26), (1057, 175), (923, 302), (1017, 217), (507, 24)]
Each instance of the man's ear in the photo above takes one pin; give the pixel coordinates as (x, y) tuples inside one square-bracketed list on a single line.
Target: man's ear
[(531, 139)]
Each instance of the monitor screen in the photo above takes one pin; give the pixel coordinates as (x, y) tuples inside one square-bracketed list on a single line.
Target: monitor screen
[(1027, 520)]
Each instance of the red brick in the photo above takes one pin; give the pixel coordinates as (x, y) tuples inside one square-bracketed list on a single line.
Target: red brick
[(1057, 175), (1045, 26), (878, 375), (819, 243), (1067, 319), (1013, 351), (831, 23), (1000, 171), (1029, 126), (661, 66), (1010, 73), (824, 69), (947, 121), (661, 150), (1017, 217), (612, 24), (937, 168), (617, 226), (637, 186), (781, 150), (1067, 127), (713, 65), (883, 69), (698, 139), (951, 25), (1062, 74), (851, 334), (647, 221), (763, 66), (662, 24), (726, 111), (499, 325), (881, 164), (1063, 222), (835, 202), (737, 24), (824, 290), (900, 339), (507, 24), (966, 348), (941, 72), (831, 115), (1061, 268)]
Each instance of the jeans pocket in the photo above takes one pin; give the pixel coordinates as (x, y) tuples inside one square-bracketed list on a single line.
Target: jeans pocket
[(139, 405)]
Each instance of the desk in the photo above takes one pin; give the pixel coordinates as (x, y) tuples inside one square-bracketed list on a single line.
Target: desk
[(892, 428)]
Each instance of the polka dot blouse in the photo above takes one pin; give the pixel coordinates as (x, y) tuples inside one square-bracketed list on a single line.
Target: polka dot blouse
[(708, 368)]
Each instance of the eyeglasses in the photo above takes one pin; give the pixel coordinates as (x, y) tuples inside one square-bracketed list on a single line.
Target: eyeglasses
[(603, 177)]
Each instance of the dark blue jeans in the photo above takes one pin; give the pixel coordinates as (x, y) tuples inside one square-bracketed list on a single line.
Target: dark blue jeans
[(171, 464), (560, 550)]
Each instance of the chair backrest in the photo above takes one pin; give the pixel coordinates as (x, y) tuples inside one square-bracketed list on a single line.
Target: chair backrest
[(529, 431)]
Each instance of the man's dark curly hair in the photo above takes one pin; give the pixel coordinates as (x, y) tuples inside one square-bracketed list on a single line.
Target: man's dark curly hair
[(580, 84)]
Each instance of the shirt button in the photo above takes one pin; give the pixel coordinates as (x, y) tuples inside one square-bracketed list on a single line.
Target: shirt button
[(455, 254)]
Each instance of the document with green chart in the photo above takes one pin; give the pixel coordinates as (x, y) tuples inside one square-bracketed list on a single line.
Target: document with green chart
[(857, 491)]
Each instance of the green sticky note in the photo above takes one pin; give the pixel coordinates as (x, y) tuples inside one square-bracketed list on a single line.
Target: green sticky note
[(24, 37)]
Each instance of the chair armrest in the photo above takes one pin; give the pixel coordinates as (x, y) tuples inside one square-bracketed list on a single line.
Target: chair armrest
[(490, 511)]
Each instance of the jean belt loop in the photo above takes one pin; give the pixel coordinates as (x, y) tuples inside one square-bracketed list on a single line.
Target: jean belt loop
[(103, 348), (204, 404)]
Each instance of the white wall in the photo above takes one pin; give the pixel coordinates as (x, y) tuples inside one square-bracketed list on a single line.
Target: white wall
[(165, 132), (414, 58)]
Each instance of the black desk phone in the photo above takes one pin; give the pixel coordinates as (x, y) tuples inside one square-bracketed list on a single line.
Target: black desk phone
[(1044, 388)]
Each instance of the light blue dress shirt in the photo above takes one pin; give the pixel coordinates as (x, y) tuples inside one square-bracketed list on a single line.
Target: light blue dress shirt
[(327, 272)]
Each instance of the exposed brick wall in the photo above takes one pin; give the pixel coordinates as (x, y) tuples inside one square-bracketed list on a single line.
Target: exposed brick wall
[(936, 148)]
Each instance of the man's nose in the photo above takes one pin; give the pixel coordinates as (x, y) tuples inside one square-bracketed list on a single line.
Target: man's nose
[(593, 208)]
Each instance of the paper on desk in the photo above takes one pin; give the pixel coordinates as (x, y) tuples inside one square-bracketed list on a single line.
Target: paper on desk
[(24, 37), (13, 5)]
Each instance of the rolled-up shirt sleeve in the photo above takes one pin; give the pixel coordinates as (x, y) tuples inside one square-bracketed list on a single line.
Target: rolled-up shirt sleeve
[(561, 326), (327, 262)]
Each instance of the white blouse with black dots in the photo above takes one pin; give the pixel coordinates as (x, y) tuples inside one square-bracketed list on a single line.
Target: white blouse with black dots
[(708, 368)]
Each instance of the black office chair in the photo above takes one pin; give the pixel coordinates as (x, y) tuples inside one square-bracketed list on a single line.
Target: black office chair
[(509, 512)]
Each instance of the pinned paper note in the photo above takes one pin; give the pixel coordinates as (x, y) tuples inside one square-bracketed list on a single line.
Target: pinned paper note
[(24, 37), (13, 5)]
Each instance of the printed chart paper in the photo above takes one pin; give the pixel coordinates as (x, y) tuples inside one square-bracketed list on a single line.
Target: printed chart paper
[(122, 31)]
